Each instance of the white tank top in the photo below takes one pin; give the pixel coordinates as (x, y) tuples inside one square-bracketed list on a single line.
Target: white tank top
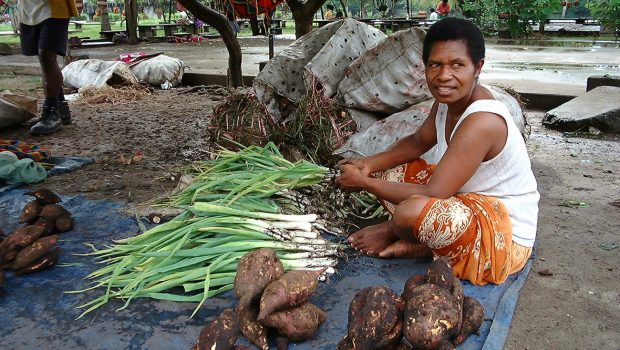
[(508, 176)]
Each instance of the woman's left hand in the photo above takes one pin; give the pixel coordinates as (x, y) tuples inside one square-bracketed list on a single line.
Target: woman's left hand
[(351, 178)]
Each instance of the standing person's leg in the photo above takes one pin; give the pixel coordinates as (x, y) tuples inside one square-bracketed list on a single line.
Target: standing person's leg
[(52, 41)]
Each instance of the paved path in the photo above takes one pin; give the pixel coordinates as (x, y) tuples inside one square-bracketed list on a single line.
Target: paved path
[(545, 70)]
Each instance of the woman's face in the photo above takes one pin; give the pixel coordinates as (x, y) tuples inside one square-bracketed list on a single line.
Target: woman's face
[(450, 73)]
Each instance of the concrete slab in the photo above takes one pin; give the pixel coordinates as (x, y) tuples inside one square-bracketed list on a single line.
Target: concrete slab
[(599, 108)]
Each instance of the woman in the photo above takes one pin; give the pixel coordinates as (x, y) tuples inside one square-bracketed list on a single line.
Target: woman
[(479, 204), (443, 8)]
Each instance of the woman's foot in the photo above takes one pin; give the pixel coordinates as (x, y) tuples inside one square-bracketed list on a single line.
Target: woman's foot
[(404, 249), (373, 239)]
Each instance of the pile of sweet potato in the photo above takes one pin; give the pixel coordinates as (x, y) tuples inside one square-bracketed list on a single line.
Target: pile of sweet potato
[(32, 247), (430, 314), (270, 302)]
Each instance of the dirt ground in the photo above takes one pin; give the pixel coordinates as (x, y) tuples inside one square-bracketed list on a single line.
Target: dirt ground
[(577, 307)]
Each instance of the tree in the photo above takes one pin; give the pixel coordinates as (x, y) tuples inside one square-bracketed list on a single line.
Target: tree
[(131, 23), (303, 14), (607, 12), (515, 14), (220, 23)]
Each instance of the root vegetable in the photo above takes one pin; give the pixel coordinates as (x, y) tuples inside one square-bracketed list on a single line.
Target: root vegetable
[(440, 273), (298, 323), (445, 345), (281, 343), (45, 262), (345, 343), (411, 283), (21, 238), (292, 289), (30, 212), (53, 211), (430, 316), (1, 278), (221, 333), (63, 224), (254, 272), (375, 318), (44, 196), (249, 326), (473, 315), (33, 252), (47, 224)]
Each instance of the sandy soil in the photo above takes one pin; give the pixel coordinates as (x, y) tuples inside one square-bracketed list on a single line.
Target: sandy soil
[(578, 307)]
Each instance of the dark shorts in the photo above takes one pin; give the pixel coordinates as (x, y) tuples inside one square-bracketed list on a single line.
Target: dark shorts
[(49, 35)]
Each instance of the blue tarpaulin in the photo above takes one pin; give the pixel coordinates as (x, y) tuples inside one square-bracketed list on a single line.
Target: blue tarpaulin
[(37, 314)]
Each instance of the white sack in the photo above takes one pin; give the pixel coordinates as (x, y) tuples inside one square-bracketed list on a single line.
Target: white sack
[(334, 46), (159, 69), (389, 77), (383, 133), (16, 109), (97, 73)]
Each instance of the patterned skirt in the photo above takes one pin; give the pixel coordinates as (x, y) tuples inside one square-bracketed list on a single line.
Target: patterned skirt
[(474, 231)]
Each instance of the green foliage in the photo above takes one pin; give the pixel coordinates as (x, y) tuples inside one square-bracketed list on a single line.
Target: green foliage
[(607, 12), (513, 15)]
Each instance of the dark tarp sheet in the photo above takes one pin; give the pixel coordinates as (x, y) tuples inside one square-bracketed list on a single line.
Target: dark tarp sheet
[(36, 314)]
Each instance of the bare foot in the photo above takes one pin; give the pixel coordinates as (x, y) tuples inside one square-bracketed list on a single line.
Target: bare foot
[(404, 249), (373, 239)]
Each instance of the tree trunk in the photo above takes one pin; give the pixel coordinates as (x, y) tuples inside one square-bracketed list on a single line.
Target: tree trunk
[(105, 19), (131, 23), (220, 23), (303, 14)]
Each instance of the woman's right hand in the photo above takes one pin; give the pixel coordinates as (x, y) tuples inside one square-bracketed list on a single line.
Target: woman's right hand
[(361, 163)]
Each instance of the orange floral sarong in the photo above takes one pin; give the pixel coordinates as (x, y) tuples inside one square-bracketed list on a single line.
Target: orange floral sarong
[(473, 230)]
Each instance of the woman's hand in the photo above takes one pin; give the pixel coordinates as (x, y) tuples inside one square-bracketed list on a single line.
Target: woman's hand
[(351, 178), (361, 163)]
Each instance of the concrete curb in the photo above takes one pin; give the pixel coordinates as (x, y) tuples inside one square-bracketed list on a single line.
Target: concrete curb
[(532, 100)]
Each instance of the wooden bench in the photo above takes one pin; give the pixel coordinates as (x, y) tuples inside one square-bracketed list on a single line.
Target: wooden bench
[(78, 25), (109, 34)]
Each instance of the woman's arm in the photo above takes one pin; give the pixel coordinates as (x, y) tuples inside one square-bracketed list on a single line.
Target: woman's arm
[(481, 136)]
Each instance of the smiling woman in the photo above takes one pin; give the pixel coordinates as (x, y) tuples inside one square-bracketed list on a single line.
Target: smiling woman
[(478, 205)]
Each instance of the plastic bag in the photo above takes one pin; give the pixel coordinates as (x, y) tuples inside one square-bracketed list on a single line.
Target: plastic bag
[(97, 73), (159, 70)]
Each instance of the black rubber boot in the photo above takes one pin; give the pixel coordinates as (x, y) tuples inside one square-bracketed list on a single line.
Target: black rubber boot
[(64, 112), (48, 123)]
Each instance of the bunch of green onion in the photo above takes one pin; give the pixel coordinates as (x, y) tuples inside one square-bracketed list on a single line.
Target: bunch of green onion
[(232, 207)]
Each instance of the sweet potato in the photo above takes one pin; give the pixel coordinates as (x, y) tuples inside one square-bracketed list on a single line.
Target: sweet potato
[(63, 224), (375, 318), (34, 251), (249, 326), (221, 333), (298, 323), (292, 289), (412, 282), (440, 273), (473, 315), (430, 316), (254, 272), (44, 196), (445, 345), (345, 343), (53, 211), (242, 347), (281, 343), (30, 212), (1, 278), (47, 224), (21, 238), (45, 262)]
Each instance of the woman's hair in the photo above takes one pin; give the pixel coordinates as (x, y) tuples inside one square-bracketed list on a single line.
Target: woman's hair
[(453, 28)]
